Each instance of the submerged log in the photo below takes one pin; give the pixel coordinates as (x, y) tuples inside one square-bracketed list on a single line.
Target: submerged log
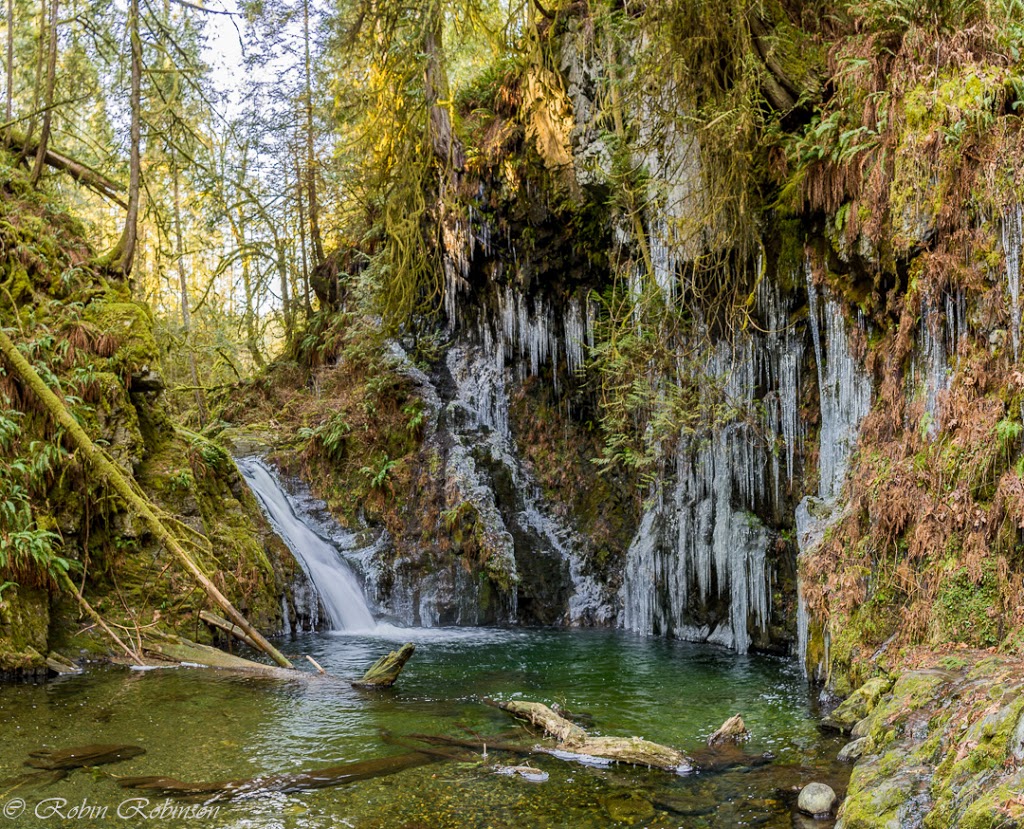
[(284, 783), (384, 672), (573, 740), (81, 756), (31, 779)]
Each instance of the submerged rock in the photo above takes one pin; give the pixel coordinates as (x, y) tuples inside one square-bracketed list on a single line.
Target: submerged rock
[(816, 799), (628, 807)]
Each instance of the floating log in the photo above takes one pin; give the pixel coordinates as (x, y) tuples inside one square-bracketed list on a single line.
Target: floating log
[(384, 672), (81, 756), (574, 740), (284, 783)]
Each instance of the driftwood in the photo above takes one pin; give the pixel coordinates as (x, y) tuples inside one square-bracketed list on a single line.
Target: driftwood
[(110, 473), (164, 647), (81, 756), (384, 672), (573, 740), (733, 730), (290, 782)]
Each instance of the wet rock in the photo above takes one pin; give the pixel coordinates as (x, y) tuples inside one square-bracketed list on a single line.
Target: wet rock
[(816, 799), (853, 751), (733, 730)]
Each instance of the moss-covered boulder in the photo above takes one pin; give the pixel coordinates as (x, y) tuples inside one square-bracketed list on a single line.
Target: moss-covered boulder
[(943, 749), (858, 705)]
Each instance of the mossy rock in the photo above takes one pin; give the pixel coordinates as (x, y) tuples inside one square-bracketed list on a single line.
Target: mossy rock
[(131, 325), (24, 628), (858, 705)]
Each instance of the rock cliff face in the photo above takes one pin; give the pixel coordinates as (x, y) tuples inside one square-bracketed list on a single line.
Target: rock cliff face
[(94, 344), (627, 402)]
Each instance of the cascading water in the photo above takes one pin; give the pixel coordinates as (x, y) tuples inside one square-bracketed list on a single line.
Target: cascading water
[(336, 585)]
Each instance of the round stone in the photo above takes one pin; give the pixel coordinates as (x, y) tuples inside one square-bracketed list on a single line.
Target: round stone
[(816, 799)]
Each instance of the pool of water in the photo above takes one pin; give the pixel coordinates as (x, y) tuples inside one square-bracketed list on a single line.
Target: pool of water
[(201, 725)]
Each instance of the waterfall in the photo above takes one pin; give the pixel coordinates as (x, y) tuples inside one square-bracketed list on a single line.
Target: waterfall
[(478, 420), (335, 583)]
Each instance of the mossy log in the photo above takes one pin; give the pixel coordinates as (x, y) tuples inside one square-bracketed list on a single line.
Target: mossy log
[(573, 739), (223, 624), (106, 469), (384, 672)]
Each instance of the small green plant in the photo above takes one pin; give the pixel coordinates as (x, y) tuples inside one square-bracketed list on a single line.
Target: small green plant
[(181, 480), (379, 476)]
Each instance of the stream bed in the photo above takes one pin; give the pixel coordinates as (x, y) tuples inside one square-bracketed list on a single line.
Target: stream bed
[(200, 725)]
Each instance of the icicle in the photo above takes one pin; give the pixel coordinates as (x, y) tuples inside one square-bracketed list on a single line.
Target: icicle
[(1013, 239), (574, 338)]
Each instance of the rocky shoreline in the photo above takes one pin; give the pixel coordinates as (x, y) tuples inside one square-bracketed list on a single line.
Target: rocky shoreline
[(938, 746)]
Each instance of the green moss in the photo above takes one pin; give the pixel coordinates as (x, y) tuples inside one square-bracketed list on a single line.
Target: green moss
[(131, 325), (968, 611)]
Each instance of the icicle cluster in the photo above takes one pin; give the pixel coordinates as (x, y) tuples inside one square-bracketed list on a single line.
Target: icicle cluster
[(845, 390), (702, 540)]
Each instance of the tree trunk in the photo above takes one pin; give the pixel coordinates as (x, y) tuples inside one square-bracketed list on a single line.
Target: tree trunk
[(119, 260), (51, 82), (314, 208), (252, 338), (112, 476), (186, 317), (86, 176), (571, 738), (303, 254), (10, 61), (37, 88), (435, 86)]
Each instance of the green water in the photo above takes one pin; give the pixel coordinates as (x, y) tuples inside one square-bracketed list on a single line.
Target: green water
[(197, 725)]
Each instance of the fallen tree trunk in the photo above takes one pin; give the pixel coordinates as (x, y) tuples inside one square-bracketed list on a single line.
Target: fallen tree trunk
[(226, 626), (103, 466), (83, 174), (384, 672), (574, 740)]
